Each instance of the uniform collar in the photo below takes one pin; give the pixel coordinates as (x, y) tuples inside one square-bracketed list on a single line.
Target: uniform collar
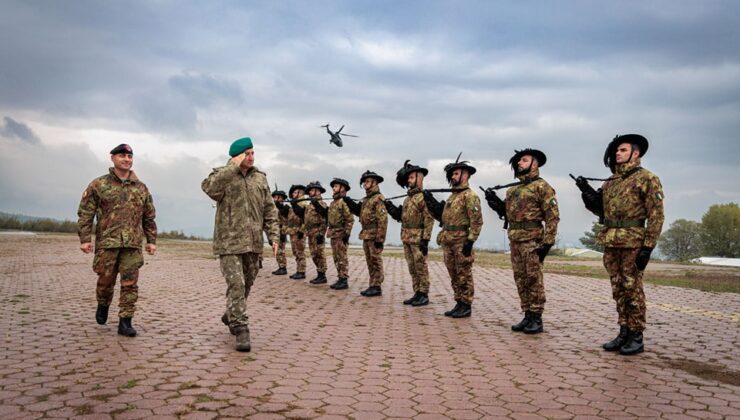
[(131, 176), (626, 167), (372, 191), (530, 176)]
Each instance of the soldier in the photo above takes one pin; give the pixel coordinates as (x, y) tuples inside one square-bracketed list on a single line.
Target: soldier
[(314, 224), (374, 221), (528, 203), (416, 229), (631, 204), (340, 221), (461, 224), (243, 210), (278, 197), (295, 229), (125, 213)]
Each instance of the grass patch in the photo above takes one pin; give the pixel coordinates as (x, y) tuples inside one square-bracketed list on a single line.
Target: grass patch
[(83, 410), (130, 384)]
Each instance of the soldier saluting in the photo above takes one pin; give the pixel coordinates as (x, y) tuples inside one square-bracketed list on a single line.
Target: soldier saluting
[(416, 229), (461, 224), (631, 205), (528, 204), (340, 221)]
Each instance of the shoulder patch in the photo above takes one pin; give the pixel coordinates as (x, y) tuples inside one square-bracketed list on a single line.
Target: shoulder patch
[(553, 202), (659, 196)]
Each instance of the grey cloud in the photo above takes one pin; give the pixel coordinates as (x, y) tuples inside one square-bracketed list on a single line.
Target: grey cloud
[(205, 90), (15, 130)]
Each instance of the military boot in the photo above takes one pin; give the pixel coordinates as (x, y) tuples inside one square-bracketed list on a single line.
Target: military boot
[(618, 341), (464, 312), (535, 324), (225, 320), (373, 291), (298, 275), (341, 284), (453, 310), (242, 338), (101, 314), (422, 300), (412, 299), (280, 272), (125, 327), (633, 344), (320, 279), (523, 323)]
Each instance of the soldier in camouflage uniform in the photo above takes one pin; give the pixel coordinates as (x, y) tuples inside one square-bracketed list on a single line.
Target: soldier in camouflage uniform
[(340, 222), (314, 224), (244, 209), (278, 197), (125, 213), (528, 204), (295, 229), (416, 229), (461, 224), (631, 205), (374, 221)]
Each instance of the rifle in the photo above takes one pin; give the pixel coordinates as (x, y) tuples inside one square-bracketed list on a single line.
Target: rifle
[(498, 205), (303, 199), (592, 199), (437, 190)]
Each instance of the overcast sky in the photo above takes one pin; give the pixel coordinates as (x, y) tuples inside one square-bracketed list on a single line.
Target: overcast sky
[(415, 80)]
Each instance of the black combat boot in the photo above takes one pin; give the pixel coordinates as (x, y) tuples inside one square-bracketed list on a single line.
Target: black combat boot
[(535, 324), (523, 323), (242, 338), (412, 299), (633, 344), (453, 310), (423, 300), (373, 291), (464, 312), (101, 314), (340, 284), (618, 341), (225, 320), (125, 327), (320, 279), (280, 272), (298, 275)]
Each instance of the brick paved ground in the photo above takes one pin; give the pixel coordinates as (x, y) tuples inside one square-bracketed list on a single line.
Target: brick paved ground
[(335, 354)]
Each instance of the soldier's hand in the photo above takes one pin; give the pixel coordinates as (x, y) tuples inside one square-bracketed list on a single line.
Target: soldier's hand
[(378, 245), (283, 238), (320, 239), (542, 251), (275, 249), (643, 257), (490, 194), (87, 247), (424, 247), (151, 248), (300, 236), (468, 248), (238, 159)]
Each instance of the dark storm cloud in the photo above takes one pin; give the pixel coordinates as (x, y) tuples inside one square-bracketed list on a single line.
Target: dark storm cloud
[(14, 130)]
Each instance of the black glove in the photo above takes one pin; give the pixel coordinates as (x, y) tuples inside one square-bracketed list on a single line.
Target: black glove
[(345, 239), (378, 245), (299, 211), (283, 209), (269, 242), (468, 248), (594, 202), (542, 251), (393, 210), (435, 207), (643, 256), (283, 238), (320, 239), (300, 235), (424, 247), (495, 203), (354, 207), (583, 185)]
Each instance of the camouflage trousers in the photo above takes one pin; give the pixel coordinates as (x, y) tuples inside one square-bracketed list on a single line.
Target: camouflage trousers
[(627, 288), (298, 247), (460, 269), (239, 271), (339, 253), (417, 267), (317, 254), (528, 276), (107, 264), (374, 259), (280, 257)]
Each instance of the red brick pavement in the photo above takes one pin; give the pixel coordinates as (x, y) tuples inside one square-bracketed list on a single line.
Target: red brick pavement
[(318, 353)]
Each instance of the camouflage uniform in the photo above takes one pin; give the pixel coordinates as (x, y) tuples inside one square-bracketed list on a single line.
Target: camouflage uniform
[(340, 222), (461, 220), (416, 225), (125, 216), (633, 199), (283, 223), (297, 246), (527, 206), (374, 221), (314, 225), (244, 208)]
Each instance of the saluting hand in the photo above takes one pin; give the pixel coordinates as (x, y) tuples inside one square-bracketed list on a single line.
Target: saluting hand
[(238, 159)]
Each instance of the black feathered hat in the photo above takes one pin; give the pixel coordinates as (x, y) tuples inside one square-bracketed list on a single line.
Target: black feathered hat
[(340, 181), (610, 155), (403, 174), (279, 192), (457, 164), (370, 174), (537, 154), (296, 187), (315, 184)]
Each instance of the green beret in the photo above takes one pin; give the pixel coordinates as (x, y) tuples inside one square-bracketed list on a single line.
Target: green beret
[(239, 146)]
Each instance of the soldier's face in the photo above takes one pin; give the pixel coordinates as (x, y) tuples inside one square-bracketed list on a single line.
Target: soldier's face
[(415, 180), (625, 153), (459, 176), (248, 161), (338, 188), (525, 162), (277, 198), (298, 193), (314, 192), (368, 183), (122, 161)]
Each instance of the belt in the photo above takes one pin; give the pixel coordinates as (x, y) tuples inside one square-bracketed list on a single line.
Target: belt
[(412, 225), (453, 228), (525, 225), (624, 223), (370, 226)]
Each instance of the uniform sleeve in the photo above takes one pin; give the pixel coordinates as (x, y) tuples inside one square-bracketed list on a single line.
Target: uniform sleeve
[(552, 214), (349, 219), (270, 223), (215, 185), (148, 223), (654, 206), (381, 216), (427, 220), (86, 213), (474, 215)]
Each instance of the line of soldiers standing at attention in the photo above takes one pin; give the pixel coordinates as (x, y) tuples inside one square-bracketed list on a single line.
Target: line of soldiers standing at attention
[(629, 205)]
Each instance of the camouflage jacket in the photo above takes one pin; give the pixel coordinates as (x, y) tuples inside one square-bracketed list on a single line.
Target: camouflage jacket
[(124, 211), (416, 220), (295, 223), (461, 219), (314, 224), (373, 216), (244, 208), (340, 219), (637, 197), (283, 220), (532, 202)]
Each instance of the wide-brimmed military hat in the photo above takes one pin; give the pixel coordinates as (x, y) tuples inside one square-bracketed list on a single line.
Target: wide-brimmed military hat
[(340, 181), (537, 154), (610, 154), (315, 184), (370, 174), (279, 192), (403, 174), (458, 164), (122, 148), (296, 187)]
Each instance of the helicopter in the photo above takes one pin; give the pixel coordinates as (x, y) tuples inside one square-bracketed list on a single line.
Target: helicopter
[(335, 136)]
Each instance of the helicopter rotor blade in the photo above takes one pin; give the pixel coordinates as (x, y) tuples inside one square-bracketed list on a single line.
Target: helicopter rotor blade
[(349, 135)]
